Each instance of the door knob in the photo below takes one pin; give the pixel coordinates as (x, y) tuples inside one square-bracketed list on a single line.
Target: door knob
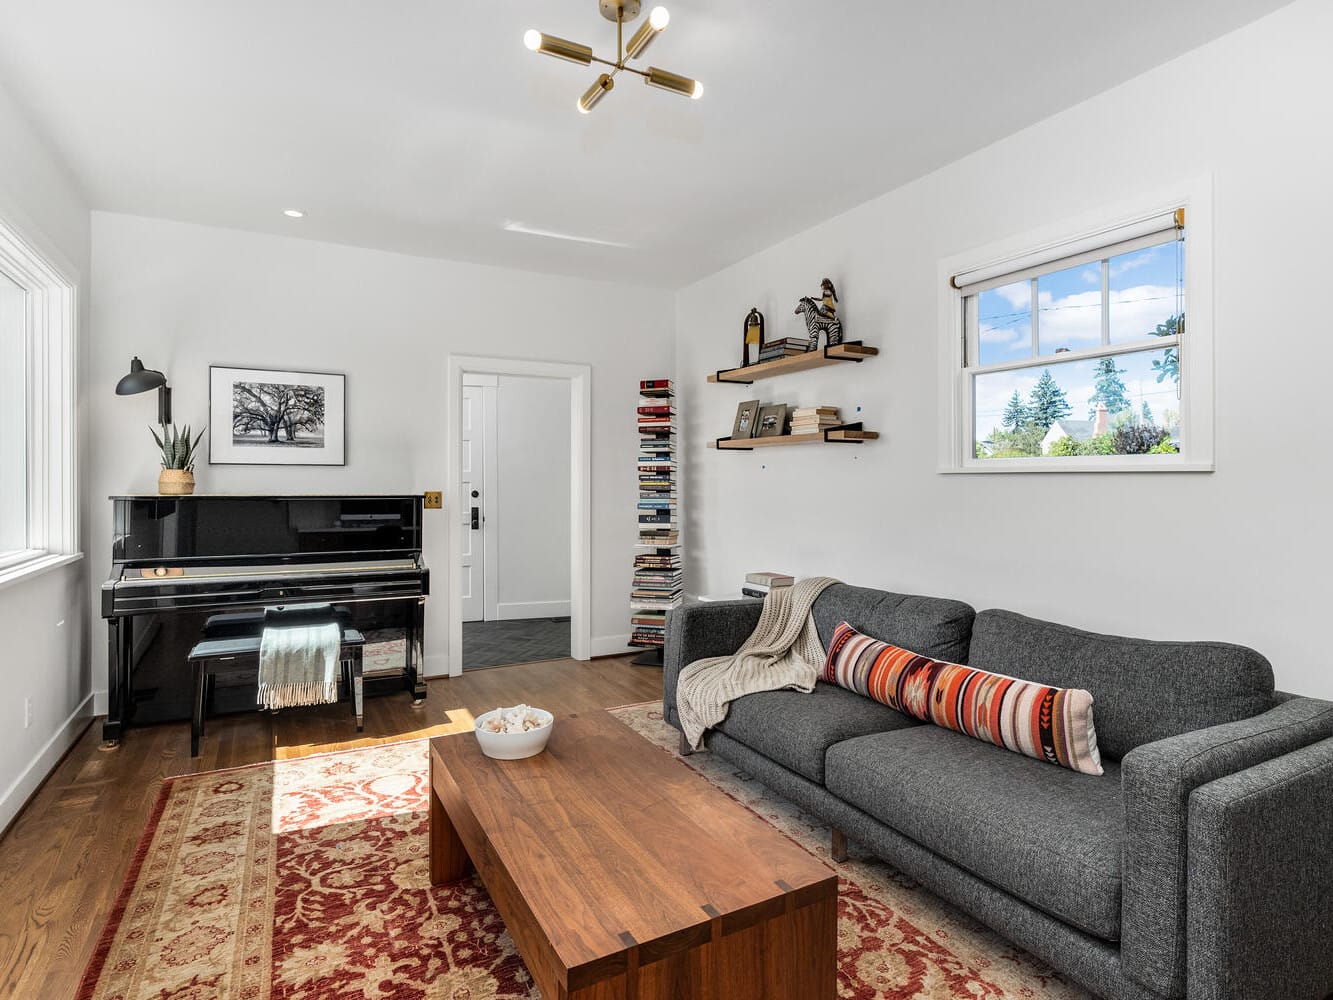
[(476, 518)]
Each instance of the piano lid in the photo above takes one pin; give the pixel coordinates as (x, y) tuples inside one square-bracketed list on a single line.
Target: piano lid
[(264, 528)]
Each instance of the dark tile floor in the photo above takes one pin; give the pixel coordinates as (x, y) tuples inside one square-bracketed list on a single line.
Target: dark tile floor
[(494, 644)]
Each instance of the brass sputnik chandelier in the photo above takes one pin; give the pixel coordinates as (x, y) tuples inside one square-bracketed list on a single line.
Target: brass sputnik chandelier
[(622, 12)]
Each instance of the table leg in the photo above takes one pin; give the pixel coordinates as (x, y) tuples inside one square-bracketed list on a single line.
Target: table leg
[(448, 857)]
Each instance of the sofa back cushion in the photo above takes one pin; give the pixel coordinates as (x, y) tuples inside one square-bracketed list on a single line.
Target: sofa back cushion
[(933, 626), (1048, 723), (1144, 690)]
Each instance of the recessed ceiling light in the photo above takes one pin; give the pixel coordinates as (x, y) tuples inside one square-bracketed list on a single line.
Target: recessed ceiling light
[(293, 213), (518, 227)]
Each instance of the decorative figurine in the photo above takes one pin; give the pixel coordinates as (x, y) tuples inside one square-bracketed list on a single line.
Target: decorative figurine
[(821, 316), (830, 298), (753, 334)]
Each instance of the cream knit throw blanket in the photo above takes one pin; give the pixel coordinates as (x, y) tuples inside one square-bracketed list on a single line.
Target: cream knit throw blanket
[(298, 666), (782, 653)]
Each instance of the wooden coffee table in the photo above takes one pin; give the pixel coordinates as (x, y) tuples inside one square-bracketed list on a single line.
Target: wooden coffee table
[(624, 875)]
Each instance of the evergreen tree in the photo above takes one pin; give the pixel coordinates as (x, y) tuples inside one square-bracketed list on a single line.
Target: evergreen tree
[(1147, 414), (1108, 388), (1169, 366), (1047, 403), (1016, 413)]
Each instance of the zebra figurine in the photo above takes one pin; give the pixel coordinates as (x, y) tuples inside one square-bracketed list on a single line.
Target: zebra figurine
[(815, 320)]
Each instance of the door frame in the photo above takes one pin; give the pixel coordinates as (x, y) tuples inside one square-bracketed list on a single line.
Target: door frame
[(579, 377)]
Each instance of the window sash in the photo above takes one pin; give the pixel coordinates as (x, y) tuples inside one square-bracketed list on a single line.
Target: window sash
[(1088, 353), (971, 313)]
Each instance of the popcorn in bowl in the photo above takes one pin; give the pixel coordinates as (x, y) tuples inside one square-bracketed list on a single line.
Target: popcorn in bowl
[(519, 719)]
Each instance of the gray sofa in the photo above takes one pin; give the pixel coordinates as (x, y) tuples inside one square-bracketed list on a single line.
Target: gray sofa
[(1199, 866)]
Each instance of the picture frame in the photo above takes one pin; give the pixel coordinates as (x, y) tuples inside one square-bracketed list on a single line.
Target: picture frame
[(268, 416), (772, 421), (747, 421)]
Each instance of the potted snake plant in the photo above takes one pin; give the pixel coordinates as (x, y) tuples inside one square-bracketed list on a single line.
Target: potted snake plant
[(177, 475)]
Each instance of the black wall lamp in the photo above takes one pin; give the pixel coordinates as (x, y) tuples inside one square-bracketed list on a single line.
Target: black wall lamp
[(141, 379)]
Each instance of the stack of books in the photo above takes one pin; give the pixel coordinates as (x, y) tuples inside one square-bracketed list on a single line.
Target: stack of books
[(759, 584), (784, 348), (813, 419), (658, 578)]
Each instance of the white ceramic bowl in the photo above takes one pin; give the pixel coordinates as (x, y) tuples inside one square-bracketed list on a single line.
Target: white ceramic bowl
[(515, 746)]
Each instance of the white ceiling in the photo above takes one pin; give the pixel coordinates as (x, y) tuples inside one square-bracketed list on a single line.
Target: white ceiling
[(424, 127)]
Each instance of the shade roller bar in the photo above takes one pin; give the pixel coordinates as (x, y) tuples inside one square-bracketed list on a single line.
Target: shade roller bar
[(969, 282)]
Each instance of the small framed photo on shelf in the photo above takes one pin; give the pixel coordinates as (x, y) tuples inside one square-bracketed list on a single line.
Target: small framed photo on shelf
[(772, 420), (747, 419)]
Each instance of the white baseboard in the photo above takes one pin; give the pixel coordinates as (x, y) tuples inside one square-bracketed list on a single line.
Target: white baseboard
[(610, 645), (101, 702), (35, 773), (515, 610), (435, 665)]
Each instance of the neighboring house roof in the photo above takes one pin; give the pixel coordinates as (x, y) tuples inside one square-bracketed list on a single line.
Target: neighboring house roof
[(1079, 430)]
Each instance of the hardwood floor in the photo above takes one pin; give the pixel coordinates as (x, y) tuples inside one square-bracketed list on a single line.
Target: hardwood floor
[(66, 855)]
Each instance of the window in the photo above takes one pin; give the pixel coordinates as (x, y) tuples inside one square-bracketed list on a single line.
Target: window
[(1073, 357), (38, 525), (13, 420)]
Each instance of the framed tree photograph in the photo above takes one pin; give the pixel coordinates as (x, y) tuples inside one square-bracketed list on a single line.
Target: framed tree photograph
[(258, 416)]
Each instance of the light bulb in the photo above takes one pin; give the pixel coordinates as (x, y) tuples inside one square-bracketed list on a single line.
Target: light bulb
[(293, 213), (532, 38), (698, 91), (582, 110), (659, 18)]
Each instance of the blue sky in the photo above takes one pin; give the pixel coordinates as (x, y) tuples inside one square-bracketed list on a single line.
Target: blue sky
[(1143, 292)]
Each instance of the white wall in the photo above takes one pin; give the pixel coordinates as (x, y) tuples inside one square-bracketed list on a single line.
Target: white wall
[(532, 446), (43, 619), (1240, 554), (185, 296)]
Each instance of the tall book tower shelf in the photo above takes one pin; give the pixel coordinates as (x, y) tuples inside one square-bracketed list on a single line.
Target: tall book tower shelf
[(657, 570)]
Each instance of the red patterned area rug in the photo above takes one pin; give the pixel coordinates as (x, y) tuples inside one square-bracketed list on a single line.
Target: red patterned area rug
[(308, 878)]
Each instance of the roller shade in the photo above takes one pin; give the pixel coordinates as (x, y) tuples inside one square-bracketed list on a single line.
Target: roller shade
[(1095, 246)]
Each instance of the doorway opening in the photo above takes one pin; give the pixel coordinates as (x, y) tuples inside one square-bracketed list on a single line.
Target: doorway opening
[(515, 499), (519, 521)]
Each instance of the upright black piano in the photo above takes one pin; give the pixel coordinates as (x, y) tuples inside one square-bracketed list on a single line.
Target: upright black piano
[(179, 563)]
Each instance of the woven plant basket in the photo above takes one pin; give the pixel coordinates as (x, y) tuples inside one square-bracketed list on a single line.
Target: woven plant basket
[(175, 482)]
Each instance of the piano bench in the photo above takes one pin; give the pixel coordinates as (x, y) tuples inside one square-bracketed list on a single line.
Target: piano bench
[(207, 657)]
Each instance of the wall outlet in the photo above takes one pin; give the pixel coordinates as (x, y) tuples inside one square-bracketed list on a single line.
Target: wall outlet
[(434, 500), (27, 712)]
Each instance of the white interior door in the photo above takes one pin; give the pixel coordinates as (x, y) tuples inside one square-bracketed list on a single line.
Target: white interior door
[(471, 503)]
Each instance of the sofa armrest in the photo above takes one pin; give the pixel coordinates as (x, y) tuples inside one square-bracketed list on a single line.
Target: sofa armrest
[(1157, 781), (1260, 898), (710, 628)]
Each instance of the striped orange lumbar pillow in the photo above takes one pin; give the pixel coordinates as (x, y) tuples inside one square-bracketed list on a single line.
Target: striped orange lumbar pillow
[(1048, 723)]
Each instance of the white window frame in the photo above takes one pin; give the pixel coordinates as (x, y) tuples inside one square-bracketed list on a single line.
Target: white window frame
[(956, 398), (52, 289)]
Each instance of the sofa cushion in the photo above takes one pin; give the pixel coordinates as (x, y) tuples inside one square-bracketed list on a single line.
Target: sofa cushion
[(1144, 690), (1048, 723), (1048, 836), (933, 626), (795, 729)]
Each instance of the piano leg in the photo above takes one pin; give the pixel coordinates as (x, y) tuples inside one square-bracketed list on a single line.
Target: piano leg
[(416, 629), (117, 683), (357, 692)]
